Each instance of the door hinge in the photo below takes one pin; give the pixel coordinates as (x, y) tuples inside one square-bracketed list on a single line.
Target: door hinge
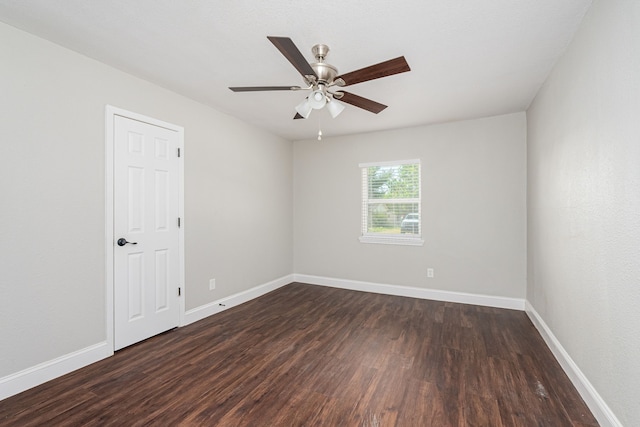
[(178, 151), (179, 291), (179, 222)]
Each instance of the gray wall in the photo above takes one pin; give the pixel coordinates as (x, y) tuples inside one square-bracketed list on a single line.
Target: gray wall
[(584, 203), (473, 207), (238, 197)]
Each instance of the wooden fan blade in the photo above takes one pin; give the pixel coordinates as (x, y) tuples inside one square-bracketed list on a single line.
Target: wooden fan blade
[(297, 116), (286, 46), (383, 69), (262, 88), (358, 101)]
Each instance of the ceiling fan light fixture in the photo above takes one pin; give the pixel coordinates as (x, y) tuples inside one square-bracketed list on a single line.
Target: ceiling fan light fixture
[(304, 109), (334, 108)]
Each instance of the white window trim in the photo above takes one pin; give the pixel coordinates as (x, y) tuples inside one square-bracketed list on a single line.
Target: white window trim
[(392, 239)]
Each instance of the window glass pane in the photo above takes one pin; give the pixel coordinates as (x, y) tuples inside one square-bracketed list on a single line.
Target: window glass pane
[(393, 182), (393, 218)]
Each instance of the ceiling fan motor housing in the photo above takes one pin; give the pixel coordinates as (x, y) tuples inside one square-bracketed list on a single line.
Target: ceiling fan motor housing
[(325, 72)]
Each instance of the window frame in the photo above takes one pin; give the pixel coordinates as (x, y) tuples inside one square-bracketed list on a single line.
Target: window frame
[(385, 238)]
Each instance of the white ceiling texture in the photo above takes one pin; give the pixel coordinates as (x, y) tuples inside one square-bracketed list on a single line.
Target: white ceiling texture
[(468, 58)]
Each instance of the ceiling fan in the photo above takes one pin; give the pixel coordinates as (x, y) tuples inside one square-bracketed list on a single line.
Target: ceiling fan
[(320, 77)]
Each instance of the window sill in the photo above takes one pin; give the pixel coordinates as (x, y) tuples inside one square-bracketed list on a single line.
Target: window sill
[(392, 240)]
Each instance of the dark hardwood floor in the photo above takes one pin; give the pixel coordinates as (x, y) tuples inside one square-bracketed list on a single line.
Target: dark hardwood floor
[(307, 355)]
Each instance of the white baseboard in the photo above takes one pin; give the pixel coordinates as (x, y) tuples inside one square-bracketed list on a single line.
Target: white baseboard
[(36, 375), (594, 401), (223, 304), (408, 291)]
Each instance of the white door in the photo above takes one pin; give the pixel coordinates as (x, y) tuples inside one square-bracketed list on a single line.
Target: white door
[(146, 210)]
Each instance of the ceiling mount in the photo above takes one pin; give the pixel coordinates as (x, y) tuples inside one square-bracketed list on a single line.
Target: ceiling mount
[(320, 51), (320, 76)]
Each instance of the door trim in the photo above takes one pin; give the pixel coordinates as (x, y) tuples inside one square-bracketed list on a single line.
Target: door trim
[(110, 113)]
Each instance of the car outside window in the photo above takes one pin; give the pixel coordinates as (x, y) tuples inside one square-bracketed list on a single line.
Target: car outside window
[(410, 224)]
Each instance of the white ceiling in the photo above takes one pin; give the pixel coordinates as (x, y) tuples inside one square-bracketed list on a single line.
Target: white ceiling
[(468, 58)]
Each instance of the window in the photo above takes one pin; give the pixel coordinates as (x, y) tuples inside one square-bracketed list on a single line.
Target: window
[(391, 203)]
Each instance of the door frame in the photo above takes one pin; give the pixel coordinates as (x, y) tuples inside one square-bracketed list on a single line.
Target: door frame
[(110, 114)]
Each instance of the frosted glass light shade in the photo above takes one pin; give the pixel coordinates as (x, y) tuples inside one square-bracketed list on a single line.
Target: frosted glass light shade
[(304, 109), (334, 108), (317, 99)]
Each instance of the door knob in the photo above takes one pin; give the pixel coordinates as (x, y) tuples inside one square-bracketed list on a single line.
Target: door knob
[(122, 242)]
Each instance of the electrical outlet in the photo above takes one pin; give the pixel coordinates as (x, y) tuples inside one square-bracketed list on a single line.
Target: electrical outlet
[(212, 284), (430, 273)]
